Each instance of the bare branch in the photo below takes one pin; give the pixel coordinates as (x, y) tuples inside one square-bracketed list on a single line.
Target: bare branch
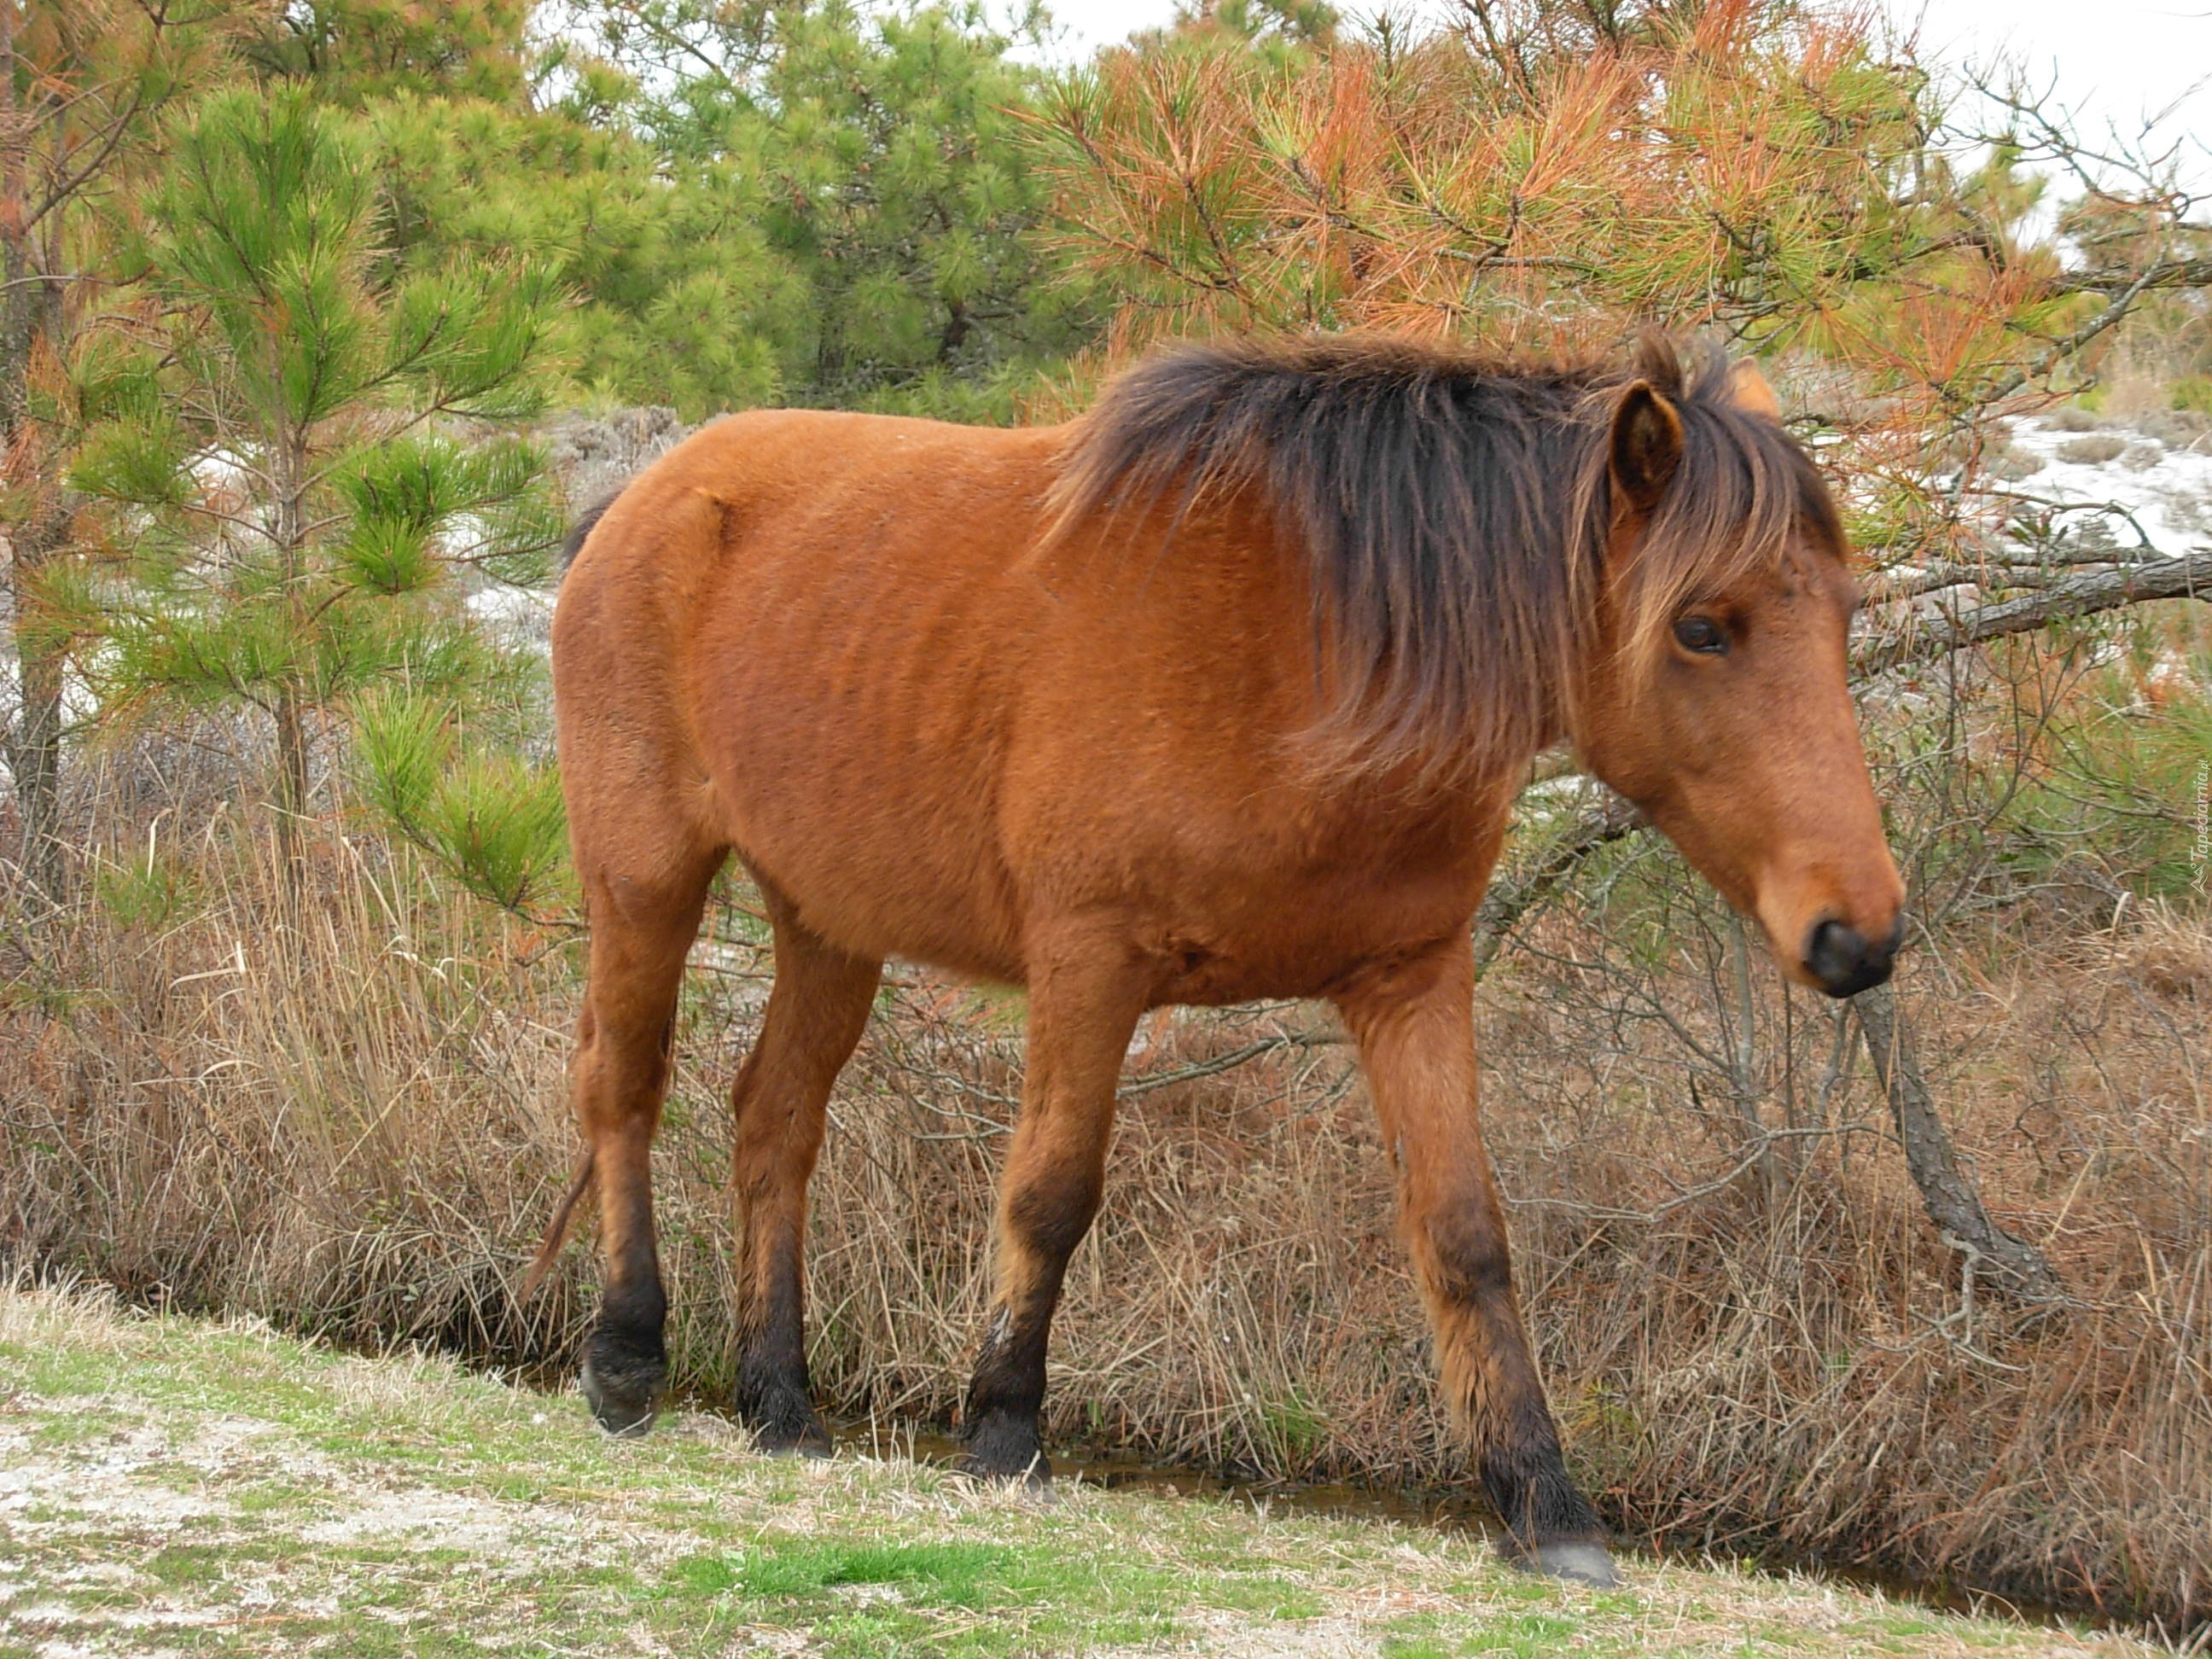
[(1952, 1204), (1608, 817), (2066, 598)]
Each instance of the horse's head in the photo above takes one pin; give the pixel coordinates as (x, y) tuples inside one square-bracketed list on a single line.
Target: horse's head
[(1718, 699)]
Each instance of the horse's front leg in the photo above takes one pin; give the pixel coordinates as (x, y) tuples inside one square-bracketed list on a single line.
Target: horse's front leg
[(1084, 996), (1414, 1024)]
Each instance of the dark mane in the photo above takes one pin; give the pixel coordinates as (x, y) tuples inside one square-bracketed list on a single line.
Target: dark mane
[(1454, 511)]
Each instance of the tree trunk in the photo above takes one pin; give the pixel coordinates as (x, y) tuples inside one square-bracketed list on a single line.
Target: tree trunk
[(1952, 1204), (35, 741), (292, 777), (30, 309), (290, 464)]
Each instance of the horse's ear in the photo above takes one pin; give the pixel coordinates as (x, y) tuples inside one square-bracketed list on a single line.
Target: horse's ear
[(1748, 391), (1647, 445)]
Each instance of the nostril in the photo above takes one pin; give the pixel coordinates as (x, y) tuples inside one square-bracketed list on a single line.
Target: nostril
[(1830, 947), (1843, 961)]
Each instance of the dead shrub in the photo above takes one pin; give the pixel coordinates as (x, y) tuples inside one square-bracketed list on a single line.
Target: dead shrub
[(351, 1119), (2093, 450)]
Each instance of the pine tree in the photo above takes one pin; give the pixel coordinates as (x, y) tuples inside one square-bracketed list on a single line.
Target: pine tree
[(82, 89), (353, 52), (285, 460), (809, 203)]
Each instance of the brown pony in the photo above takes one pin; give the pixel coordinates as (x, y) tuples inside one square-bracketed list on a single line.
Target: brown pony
[(1222, 691)]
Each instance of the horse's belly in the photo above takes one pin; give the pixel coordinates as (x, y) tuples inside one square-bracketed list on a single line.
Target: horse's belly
[(872, 895), (879, 855)]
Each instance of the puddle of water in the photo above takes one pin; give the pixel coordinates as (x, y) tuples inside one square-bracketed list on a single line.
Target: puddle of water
[(1113, 1472)]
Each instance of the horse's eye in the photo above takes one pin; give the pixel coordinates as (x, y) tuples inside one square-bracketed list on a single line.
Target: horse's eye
[(1702, 634)]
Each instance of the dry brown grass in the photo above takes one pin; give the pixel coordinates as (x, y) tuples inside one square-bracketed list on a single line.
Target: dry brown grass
[(352, 1121)]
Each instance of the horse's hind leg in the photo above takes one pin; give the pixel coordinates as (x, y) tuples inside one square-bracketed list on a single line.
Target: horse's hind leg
[(1415, 1028), (816, 1012), (1085, 999), (641, 930)]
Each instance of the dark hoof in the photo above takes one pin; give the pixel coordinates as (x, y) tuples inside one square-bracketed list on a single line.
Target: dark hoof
[(809, 1440), (814, 1446), (1034, 1482), (1572, 1564), (625, 1400), (1007, 1453), (783, 1424)]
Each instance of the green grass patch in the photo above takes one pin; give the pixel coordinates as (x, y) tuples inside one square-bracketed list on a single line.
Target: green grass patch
[(952, 1575)]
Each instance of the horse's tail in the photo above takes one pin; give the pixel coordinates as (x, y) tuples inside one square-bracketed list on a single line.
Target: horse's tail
[(557, 1233), (581, 531)]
